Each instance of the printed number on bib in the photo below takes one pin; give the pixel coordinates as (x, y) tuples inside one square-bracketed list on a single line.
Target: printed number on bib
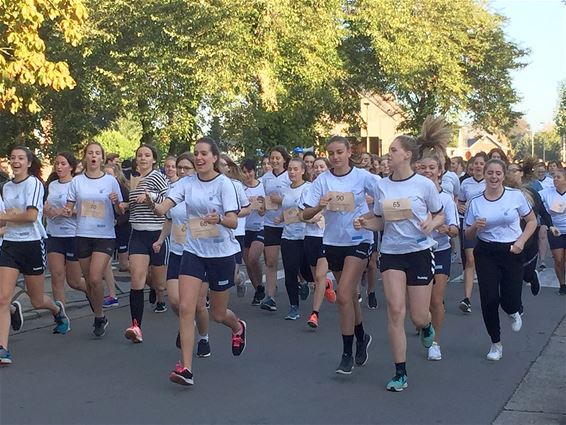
[(558, 206), (179, 232), (397, 209), (291, 215), (256, 202), (341, 201), (200, 229), (94, 209)]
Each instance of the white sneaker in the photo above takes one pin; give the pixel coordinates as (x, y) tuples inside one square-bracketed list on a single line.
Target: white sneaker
[(434, 352), (516, 321), (495, 352)]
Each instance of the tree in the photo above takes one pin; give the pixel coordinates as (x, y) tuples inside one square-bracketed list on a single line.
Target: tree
[(123, 137), (560, 115)]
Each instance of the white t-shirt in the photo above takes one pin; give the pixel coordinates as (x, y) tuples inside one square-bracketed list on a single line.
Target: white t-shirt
[(502, 215), (339, 229), (274, 184), (2, 209), (450, 183), (178, 217), (18, 197), (254, 221), (291, 201), (404, 205), (547, 183), (93, 207), (312, 229), (243, 200), (450, 219), (201, 198), (555, 204), (469, 189), (60, 227)]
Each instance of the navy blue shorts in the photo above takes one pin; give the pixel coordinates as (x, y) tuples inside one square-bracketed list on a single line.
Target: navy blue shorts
[(442, 262), (313, 249), (218, 272), (272, 235), (335, 255), (86, 246), (26, 256), (123, 233), (141, 243), (418, 266), (238, 255), (556, 242), (470, 243), (252, 236), (173, 266), (63, 246)]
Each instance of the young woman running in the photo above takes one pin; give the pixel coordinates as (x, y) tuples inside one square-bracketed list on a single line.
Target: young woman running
[(469, 188), (431, 168), (309, 158), (61, 245), (253, 240), (494, 218), (555, 203), (274, 182), (208, 255), (94, 197), (22, 250), (170, 168), (341, 195), (146, 228), (314, 254)]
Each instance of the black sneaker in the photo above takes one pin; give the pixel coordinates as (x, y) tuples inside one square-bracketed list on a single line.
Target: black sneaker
[(535, 284), (17, 317), (181, 375), (160, 308), (362, 350), (152, 296), (100, 324), (259, 295), (304, 291), (466, 305), (203, 348), (562, 290), (346, 365), (178, 340), (372, 301)]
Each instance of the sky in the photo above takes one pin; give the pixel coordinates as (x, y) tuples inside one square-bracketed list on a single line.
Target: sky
[(539, 25)]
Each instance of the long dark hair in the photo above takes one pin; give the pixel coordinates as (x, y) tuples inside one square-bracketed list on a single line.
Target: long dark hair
[(35, 164), (70, 158), (213, 148), (286, 156)]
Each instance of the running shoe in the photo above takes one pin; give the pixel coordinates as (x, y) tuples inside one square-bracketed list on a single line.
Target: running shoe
[(181, 375), (427, 335), (360, 298), (516, 321), (372, 301), (63, 324), (398, 383), (207, 304), (134, 333), (293, 313), (542, 266), (160, 308), (17, 317), (466, 305), (329, 292), (313, 321), (434, 352), (5, 356), (259, 295), (362, 350), (152, 296), (110, 302), (268, 304), (203, 348), (178, 340), (304, 290), (495, 352), (535, 284), (100, 325), (346, 365), (562, 290), (239, 340)]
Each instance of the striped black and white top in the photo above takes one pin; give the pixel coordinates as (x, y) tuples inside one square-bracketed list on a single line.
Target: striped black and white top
[(141, 215)]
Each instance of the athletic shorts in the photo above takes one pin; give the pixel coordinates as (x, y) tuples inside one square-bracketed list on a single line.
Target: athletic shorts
[(86, 246), (141, 243), (238, 255), (418, 266), (556, 242), (252, 236), (313, 249), (272, 235), (123, 233), (173, 266), (218, 272), (335, 255), (63, 246), (26, 256), (442, 262), (470, 243)]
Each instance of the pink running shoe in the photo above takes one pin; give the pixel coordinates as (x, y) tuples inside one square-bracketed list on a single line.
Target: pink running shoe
[(134, 333)]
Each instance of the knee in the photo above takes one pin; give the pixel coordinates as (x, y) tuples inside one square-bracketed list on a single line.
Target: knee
[(344, 298), (396, 314)]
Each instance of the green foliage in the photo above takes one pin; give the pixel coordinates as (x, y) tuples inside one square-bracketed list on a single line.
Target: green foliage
[(560, 115), (123, 137)]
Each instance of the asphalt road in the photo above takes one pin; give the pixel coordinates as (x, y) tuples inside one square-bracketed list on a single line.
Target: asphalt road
[(285, 376)]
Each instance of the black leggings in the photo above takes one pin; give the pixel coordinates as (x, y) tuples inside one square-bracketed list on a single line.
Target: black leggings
[(292, 256), (500, 279)]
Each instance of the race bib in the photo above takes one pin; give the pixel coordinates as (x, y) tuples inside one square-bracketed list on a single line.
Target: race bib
[(319, 220), (269, 204), (200, 229), (256, 202), (397, 209), (179, 231), (341, 201), (95, 209), (291, 215), (558, 206)]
